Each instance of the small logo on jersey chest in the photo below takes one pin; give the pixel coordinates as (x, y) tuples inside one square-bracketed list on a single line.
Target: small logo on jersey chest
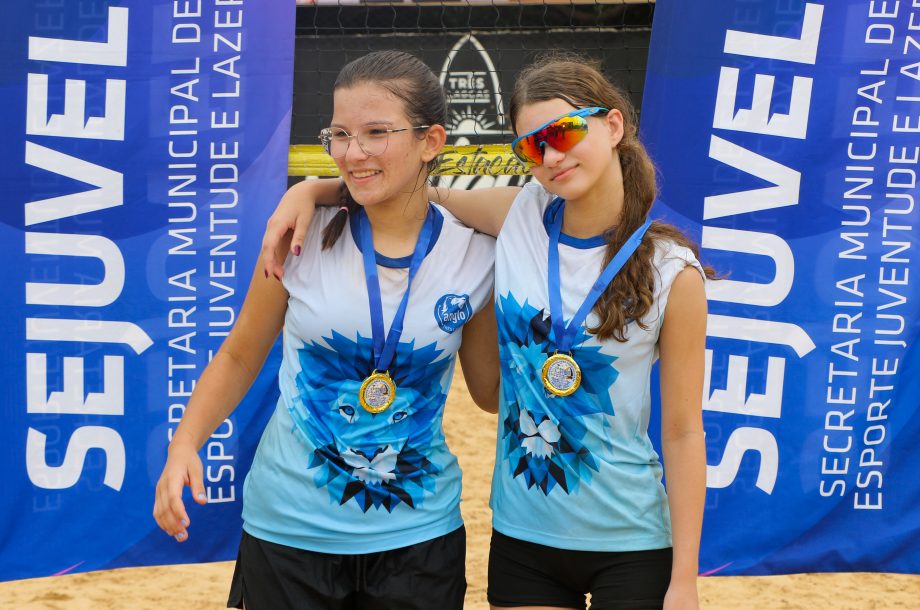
[(452, 311)]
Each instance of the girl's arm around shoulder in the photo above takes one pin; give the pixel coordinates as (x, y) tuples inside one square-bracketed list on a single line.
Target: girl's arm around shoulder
[(220, 388), (682, 344), (286, 229), (482, 209), (479, 358)]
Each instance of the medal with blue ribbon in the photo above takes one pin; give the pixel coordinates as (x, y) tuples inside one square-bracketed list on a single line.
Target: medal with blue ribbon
[(378, 390), (561, 374)]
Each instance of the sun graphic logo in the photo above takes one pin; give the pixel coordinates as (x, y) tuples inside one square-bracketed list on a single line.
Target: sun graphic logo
[(475, 111)]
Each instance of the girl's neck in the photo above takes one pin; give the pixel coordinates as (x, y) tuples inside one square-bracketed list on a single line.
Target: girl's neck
[(396, 223), (597, 210)]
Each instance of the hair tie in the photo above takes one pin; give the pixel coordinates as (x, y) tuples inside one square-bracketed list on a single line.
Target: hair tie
[(344, 208)]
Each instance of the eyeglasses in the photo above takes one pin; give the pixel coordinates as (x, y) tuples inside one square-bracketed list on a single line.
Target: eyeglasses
[(561, 133), (372, 139)]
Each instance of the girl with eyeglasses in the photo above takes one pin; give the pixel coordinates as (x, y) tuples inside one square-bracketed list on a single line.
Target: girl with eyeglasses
[(352, 501), (589, 293)]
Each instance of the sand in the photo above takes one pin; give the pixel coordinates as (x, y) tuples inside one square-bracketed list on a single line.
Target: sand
[(471, 435)]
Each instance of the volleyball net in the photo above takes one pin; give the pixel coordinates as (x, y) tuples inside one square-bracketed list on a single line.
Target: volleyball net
[(477, 48)]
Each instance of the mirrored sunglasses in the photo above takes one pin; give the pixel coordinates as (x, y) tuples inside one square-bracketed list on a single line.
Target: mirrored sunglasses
[(561, 133)]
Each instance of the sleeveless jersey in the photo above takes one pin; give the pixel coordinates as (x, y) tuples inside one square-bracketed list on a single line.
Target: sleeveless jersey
[(328, 475), (576, 472)]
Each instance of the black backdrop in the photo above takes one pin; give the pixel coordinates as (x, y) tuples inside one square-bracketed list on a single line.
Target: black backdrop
[(505, 38)]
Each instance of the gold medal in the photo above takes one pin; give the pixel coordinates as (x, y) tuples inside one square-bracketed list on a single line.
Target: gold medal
[(561, 375), (377, 392)]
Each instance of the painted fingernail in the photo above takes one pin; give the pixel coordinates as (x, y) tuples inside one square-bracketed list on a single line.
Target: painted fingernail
[(180, 536), (296, 250), (185, 523), (201, 496), (266, 274)]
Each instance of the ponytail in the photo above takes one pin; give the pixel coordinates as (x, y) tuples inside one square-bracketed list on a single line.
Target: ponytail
[(347, 206)]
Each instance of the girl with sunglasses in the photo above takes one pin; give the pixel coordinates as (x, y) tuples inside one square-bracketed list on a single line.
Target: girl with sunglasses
[(353, 498), (589, 293)]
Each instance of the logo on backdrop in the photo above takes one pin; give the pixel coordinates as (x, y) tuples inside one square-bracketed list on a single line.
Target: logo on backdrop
[(452, 311), (475, 111)]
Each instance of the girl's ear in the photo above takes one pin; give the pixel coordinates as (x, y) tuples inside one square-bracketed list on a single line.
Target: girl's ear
[(435, 138), (615, 126)]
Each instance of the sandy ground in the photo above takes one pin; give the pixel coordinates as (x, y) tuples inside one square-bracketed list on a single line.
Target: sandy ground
[(471, 434)]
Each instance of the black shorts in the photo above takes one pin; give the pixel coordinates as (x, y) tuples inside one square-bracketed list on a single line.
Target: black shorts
[(527, 574), (426, 575)]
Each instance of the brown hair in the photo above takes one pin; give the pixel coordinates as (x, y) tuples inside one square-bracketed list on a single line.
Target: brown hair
[(581, 83), (409, 80)]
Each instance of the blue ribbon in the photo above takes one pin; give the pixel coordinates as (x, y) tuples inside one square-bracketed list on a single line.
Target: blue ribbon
[(565, 334), (385, 349)]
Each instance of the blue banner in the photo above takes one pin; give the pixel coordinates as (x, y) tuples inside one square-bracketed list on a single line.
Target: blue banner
[(788, 139), (144, 145)]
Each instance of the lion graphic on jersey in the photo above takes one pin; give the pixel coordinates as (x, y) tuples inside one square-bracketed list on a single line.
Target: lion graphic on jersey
[(546, 437), (375, 460)]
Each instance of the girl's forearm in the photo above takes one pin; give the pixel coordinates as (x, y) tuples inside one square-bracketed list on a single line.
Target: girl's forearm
[(218, 391), (685, 465), (323, 192)]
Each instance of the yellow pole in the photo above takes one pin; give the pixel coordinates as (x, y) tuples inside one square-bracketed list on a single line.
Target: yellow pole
[(471, 160)]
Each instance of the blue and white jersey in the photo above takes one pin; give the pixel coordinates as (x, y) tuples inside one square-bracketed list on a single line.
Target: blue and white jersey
[(576, 472), (328, 475)]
